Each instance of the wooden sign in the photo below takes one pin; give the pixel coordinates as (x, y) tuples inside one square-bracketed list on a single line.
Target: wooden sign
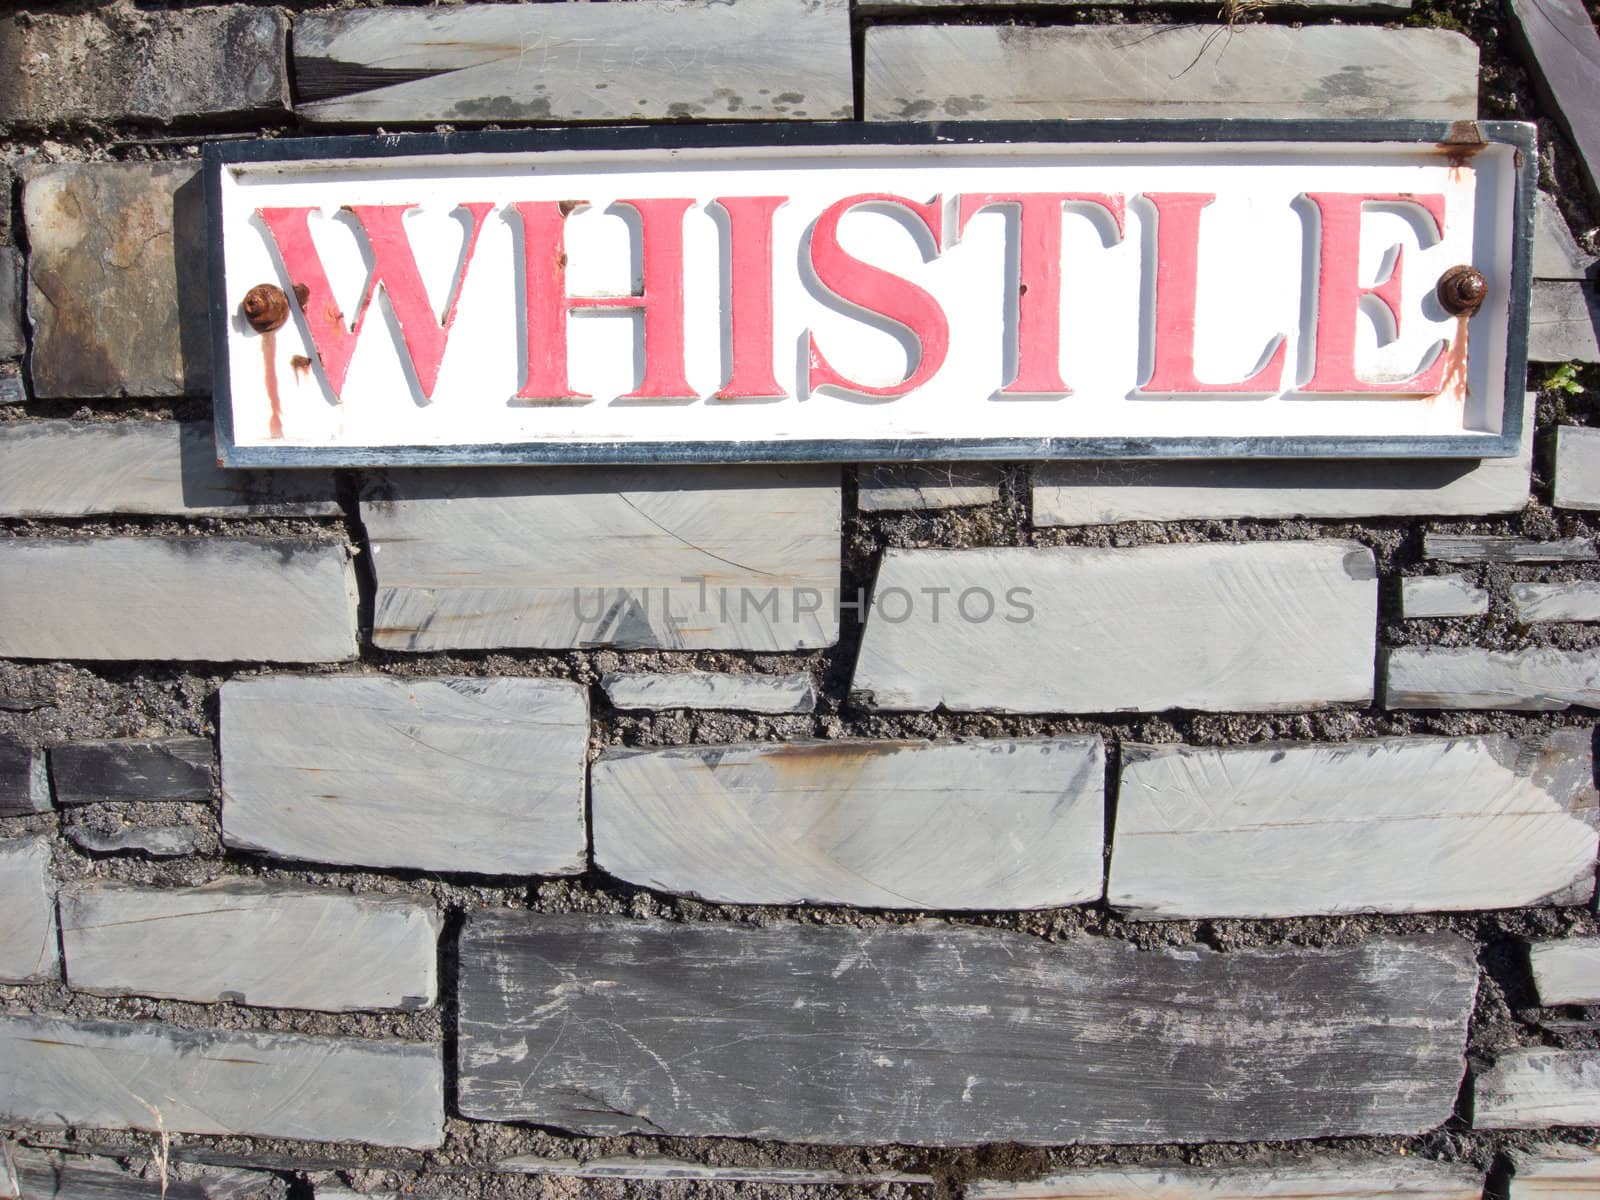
[(872, 292)]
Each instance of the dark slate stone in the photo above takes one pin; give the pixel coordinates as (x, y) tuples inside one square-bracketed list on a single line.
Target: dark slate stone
[(118, 301), (24, 782), (118, 64), (12, 342), (1561, 40), (936, 1035), (45, 1175), (177, 768)]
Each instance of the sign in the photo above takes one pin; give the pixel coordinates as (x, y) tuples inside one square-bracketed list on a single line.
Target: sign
[(872, 292)]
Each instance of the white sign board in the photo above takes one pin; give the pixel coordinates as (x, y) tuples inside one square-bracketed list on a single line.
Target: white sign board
[(871, 292)]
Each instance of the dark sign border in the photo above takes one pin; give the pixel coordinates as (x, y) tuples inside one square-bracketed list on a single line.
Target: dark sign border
[(1459, 137)]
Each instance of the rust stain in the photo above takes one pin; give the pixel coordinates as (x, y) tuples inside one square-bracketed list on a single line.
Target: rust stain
[(1454, 390), (301, 366), (567, 207), (302, 294), (1460, 144), (269, 347), (810, 755)]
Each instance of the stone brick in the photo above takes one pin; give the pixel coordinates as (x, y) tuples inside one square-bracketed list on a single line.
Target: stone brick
[(735, 691), (1562, 51), (1476, 548), (118, 64), (1577, 600), (726, 558), (1556, 253), (176, 768), (152, 841), (28, 949), (24, 780), (1441, 596), (241, 940), (187, 598), (1543, 679), (1326, 1178), (1577, 483), (1566, 970), (933, 1034), (1554, 1172), (1284, 829), (475, 775), (117, 289), (1564, 324), (1004, 72), (110, 1074), (975, 825), (1094, 492), (12, 341), (723, 60), (939, 9), (1279, 625), (891, 487), (1529, 1089), (66, 469), (12, 390), (658, 1169), (46, 1175)]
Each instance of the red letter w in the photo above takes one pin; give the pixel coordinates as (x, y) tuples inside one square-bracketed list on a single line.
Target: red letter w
[(394, 268)]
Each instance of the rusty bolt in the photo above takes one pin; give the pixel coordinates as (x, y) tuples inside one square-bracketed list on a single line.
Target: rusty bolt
[(1461, 290), (265, 307)]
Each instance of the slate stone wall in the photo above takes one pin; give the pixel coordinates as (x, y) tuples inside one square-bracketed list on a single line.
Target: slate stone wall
[(1189, 829)]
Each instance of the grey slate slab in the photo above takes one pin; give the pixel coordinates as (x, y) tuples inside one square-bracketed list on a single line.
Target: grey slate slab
[(241, 940), (989, 72), (24, 779), (1529, 1089), (102, 1074), (935, 9), (12, 389), (1006, 824), (1282, 829), (174, 768), (1105, 493), (1577, 475), (1239, 627), (153, 841), (1441, 596), (1575, 600), (28, 949), (476, 775), (660, 1169), (197, 599), (733, 60), (893, 487), (1566, 971), (117, 291), (13, 343), (1557, 1171), (737, 691), (206, 62), (1476, 548), (1563, 322), (1325, 1178), (733, 557), (1563, 49), (45, 1175), (1538, 680), (931, 1034), (1556, 253), (68, 469)]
